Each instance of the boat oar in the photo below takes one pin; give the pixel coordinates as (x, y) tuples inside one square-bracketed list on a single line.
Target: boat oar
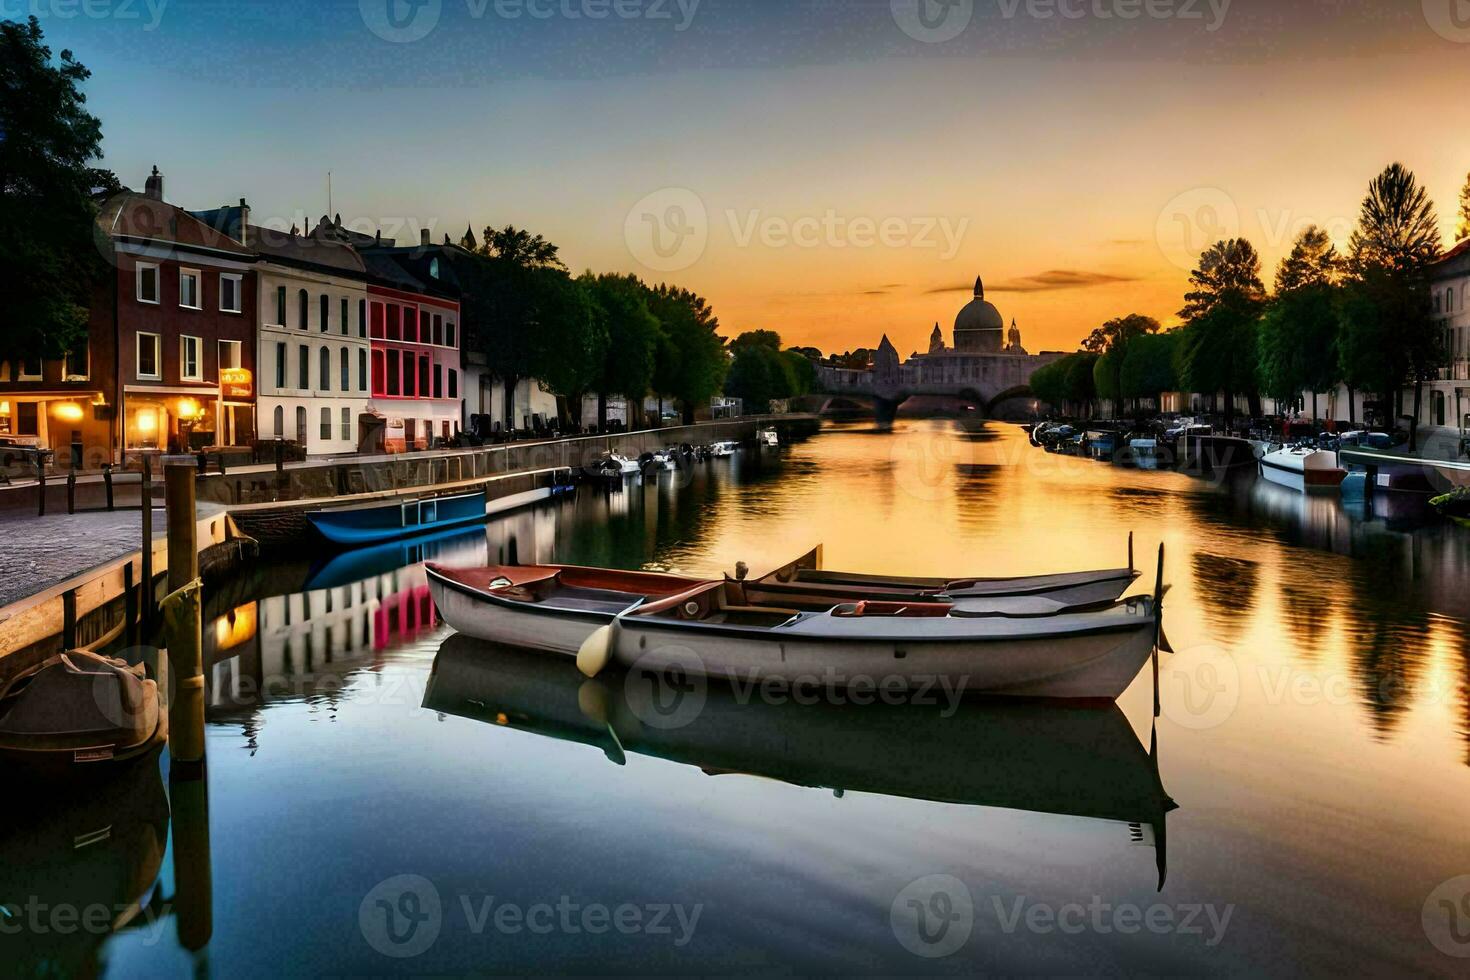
[(1158, 624), (596, 651)]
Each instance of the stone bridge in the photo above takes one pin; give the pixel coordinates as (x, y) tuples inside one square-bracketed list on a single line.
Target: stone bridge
[(985, 381)]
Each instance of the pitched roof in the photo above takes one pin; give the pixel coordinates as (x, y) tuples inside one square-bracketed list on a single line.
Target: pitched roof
[(130, 216)]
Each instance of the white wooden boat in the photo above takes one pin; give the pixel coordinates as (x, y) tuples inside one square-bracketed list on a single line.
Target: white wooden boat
[(653, 622), (1303, 468)]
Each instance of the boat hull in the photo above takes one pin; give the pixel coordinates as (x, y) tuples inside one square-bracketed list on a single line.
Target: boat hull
[(378, 522)]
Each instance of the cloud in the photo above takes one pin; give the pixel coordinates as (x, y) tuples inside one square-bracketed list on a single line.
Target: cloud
[(1052, 280)]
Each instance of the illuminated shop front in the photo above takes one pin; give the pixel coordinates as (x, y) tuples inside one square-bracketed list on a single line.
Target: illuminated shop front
[(56, 421), (169, 422)]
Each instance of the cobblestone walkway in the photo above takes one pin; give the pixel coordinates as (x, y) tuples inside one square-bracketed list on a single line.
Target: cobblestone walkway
[(38, 552)]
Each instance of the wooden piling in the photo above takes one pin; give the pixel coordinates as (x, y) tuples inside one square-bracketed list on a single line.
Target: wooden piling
[(145, 573), (182, 618)]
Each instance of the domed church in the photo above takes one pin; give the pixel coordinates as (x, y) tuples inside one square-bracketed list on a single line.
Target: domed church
[(979, 327)]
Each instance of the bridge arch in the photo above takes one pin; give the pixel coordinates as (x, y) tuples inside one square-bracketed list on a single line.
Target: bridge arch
[(1015, 393)]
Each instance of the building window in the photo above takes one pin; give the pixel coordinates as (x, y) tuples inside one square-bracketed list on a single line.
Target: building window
[(362, 369), (27, 419), (395, 373), (438, 329), (302, 309), (438, 381), (280, 414), (280, 372), (346, 424), (380, 376), (362, 318), (424, 334), (148, 356), (378, 314), (395, 314), (434, 267), (76, 365), (30, 369), (326, 422), (453, 383), (303, 369), (301, 424), (189, 288), (280, 306), (449, 335), (346, 370), (409, 374), (189, 367), (325, 313), (229, 292), (229, 354), (147, 275), (343, 311), (324, 368)]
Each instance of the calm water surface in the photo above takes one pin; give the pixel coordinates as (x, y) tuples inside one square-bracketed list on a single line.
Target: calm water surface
[(1299, 804)]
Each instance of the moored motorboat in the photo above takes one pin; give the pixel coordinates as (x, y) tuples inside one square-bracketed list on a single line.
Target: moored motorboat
[(380, 520), (653, 622), (1303, 468), (79, 709), (767, 437), (723, 448)]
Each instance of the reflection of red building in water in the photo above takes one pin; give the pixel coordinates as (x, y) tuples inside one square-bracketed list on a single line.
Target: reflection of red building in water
[(403, 615), (415, 341)]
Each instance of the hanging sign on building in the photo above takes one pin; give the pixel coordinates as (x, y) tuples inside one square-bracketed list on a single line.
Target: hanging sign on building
[(236, 383)]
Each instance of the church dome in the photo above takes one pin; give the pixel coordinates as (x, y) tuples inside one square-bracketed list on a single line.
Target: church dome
[(979, 326)]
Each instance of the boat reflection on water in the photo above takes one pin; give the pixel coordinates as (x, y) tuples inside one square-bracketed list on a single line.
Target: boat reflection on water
[(91, 849), (1066, 758)]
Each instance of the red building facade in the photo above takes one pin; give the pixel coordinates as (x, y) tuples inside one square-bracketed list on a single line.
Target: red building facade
[(415, 340)]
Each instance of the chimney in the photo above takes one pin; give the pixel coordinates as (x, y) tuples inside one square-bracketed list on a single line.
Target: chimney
[(378, 237), (424, 237), (153, 186), (244, 222)]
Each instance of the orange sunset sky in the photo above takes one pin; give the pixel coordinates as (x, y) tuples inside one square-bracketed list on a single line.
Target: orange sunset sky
[(1077, 163)]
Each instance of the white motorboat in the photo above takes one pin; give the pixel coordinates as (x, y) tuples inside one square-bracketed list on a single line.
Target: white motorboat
[(1303, 468), (767, 437), (723, 448)]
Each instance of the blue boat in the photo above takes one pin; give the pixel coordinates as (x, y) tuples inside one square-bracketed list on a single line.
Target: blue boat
[(347, 567), (380, 520)]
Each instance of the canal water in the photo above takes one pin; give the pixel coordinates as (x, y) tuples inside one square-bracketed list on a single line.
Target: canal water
[(385, 797)]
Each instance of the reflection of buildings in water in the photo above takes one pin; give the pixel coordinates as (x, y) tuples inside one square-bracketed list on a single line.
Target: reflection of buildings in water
[(1226, 587), (1042, 757)]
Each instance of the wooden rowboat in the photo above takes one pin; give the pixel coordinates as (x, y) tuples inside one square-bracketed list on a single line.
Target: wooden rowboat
[(656, 622)]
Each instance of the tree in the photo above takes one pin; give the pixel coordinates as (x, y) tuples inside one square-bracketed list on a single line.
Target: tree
[(1111, 340), (1313, 261), (803, 372), (1298, 333), (521, 248), (1229, 271), (1462, 227), (1217, 350), (1391, 249), (1148, 366), (1397, 228), (691, 356), (47, 144), (620, 309), (759, 373)]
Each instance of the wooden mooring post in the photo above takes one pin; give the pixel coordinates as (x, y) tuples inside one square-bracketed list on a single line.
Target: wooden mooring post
[(182, 612)]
